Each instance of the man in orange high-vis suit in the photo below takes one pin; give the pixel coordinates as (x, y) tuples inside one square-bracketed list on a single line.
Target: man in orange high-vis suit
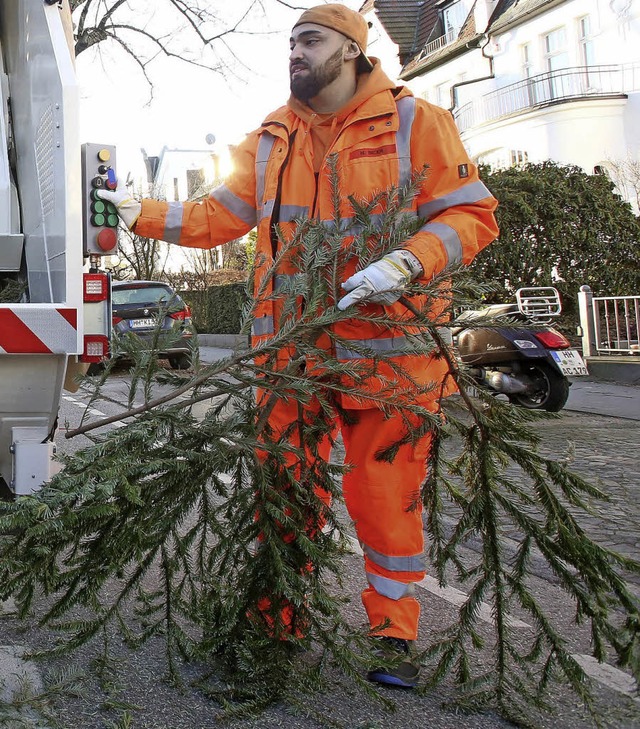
[(343, 104)]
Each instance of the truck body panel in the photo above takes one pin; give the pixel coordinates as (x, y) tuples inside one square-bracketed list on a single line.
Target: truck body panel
[(42, 323)]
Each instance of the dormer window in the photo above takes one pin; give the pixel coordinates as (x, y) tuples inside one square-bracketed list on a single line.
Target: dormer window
[(453, 16)]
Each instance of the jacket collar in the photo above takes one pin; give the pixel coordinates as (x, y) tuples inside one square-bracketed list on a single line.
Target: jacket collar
[(375, 97)]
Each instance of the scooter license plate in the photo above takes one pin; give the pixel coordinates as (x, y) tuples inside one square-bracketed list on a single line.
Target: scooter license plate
[(570, 362)]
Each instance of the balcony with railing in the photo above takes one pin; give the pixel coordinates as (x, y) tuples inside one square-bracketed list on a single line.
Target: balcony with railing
[(435, 45), (552, 87)]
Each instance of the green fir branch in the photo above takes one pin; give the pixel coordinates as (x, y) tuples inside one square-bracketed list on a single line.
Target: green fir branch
[(173, 528)]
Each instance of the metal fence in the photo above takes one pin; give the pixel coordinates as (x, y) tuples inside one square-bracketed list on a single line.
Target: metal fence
[(438, 43), (547, 88), (609, 324)]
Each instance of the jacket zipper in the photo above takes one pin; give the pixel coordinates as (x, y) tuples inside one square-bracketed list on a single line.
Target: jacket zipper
[(275, 215), (316, 176)]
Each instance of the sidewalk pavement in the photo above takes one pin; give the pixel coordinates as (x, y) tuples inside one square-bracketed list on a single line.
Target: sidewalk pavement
[(604, 450), (604, 398)]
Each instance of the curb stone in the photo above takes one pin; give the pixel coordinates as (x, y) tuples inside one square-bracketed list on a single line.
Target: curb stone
[(19, 675)]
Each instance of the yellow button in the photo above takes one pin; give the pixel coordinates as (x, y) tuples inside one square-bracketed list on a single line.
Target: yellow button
[(104, 155)]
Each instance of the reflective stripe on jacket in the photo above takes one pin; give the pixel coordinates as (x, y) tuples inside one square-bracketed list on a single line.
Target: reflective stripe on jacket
[(382, 142)]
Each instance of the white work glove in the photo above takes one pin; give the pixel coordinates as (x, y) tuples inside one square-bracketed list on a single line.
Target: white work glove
[(382, 282), (128, 207)]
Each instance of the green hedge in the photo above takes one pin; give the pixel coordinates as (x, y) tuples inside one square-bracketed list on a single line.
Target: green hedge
[(217, 310)]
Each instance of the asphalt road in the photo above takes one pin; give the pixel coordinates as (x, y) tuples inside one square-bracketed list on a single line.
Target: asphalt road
[(598, 433)]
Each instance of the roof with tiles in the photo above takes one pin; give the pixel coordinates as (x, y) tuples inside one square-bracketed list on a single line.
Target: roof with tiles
[(412, 24), (509, 12), (467, 34), (408, 23)]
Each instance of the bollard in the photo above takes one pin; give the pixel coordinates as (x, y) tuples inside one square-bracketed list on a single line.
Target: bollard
[(587, 327)]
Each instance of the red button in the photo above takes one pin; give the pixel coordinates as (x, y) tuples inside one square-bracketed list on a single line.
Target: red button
[(107, 239)]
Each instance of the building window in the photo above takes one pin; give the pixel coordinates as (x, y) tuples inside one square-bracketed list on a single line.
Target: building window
[(527, 90), (585, 41), (503, 158), (556, 56), (555, 49), (527, 62), (195, 183), (454, 16), (519, 157), (443, 95)]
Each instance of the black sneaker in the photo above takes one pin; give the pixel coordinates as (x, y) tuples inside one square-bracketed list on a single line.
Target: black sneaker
[(402, 668)]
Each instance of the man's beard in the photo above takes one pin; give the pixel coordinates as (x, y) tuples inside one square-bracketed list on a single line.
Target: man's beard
[(307, 86)]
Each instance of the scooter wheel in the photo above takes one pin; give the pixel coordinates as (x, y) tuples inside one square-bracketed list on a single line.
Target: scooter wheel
[(550, 390)]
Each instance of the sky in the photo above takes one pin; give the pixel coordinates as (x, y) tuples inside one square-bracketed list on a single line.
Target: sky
[(188, 103)]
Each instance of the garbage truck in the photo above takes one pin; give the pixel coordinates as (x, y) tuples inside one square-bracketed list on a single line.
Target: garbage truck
[(55, 313)]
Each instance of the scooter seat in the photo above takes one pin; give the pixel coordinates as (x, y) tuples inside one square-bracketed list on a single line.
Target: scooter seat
[(494, 311)]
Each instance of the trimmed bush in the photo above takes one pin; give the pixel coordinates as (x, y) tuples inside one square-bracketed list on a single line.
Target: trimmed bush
[(217, 310)]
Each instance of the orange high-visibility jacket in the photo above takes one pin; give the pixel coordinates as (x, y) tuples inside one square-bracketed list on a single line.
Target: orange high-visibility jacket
[(381, 144)]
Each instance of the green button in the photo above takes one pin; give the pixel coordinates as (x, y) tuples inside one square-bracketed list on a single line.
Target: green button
[(94, 195), (99, 206), (98, 220), (111, 209), (112, 221)]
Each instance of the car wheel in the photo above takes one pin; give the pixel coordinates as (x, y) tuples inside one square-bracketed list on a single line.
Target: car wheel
[(95, 368), (180, 362)]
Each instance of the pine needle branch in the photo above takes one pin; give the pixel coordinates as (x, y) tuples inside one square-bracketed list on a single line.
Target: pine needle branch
[(219, 535)]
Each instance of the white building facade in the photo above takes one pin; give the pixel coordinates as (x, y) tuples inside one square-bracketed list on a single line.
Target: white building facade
[(533, 80), (181, 174), (185, 174)]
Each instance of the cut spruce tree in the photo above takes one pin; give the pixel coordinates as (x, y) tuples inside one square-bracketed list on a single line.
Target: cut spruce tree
[(205, 531)]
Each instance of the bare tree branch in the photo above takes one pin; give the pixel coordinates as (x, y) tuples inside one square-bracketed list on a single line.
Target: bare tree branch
[(91, 31), (187, 30)]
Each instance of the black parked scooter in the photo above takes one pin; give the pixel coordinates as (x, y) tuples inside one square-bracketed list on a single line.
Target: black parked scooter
[(530, 365)]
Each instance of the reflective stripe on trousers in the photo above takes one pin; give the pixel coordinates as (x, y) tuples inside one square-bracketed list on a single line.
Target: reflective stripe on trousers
[(383, 501), (410, 563), (392, 589)]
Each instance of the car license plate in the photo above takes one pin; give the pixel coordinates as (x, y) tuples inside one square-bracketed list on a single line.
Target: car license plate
[(142, 323), (570, 362)]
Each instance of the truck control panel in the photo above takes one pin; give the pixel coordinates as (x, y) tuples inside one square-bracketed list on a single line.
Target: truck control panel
[(99, 217)]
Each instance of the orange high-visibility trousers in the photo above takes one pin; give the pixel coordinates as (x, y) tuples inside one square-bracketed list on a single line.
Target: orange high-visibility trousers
[(383, 500)]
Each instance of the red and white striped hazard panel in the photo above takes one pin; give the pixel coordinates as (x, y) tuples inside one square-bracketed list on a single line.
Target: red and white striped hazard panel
[(35, 330)]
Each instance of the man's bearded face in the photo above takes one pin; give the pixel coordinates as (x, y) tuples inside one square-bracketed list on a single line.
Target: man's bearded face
[(309, 83)]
